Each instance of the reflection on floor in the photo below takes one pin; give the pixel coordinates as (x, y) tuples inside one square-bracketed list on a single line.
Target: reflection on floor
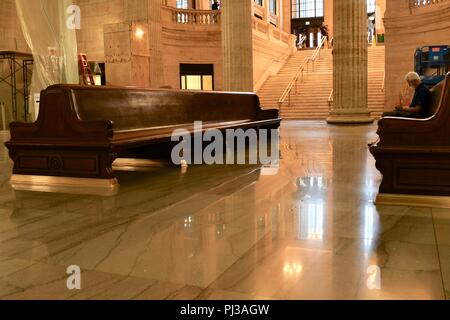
[(230, 232)]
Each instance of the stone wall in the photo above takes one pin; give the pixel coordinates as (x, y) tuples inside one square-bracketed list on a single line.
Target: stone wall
[(269, 56), (195, 44), (94, 15), (407, 29), (181, 43)]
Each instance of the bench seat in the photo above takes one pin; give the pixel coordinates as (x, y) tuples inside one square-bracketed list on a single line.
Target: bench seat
[(81, 130), (413, 155), (136, 136)]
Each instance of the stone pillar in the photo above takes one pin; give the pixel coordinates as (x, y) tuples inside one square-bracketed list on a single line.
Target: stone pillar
[(133, 48), (126, 53), (280, 14), (155, 44), (350, 63), (237, 45), (267, 10)]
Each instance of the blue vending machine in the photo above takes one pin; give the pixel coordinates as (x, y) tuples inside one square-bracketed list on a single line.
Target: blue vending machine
[(432, 63)]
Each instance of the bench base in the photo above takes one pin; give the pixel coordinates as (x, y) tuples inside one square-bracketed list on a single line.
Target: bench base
[(413, 200), (130, 164), (102, 187)]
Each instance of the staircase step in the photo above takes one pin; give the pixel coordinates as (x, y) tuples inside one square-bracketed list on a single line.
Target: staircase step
[(310, 99)]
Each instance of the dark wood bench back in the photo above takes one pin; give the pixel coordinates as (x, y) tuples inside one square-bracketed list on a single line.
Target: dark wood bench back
[(80, 131), (131, 108), (432, 131), (413, 155), (436, 94)]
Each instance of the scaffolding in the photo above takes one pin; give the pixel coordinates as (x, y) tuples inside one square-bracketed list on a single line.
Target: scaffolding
[(18, 62)]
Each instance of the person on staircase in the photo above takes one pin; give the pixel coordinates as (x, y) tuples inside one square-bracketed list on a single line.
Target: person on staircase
[(325, 32)]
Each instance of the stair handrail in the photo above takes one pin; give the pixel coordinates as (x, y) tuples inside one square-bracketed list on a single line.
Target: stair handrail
[(300, 71), (287, 91), (316, 53), (330, 99)]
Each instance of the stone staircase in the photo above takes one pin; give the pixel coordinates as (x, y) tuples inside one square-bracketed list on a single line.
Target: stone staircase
[(310, 99), (376, 78), (274, 86)]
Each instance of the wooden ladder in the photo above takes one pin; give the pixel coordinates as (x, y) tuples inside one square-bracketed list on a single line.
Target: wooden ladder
[(85, 70)]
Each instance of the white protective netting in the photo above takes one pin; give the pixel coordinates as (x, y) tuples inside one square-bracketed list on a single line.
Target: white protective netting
[(48, 28)]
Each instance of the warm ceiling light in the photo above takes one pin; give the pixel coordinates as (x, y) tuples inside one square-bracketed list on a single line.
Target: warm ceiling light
[(139, 33)]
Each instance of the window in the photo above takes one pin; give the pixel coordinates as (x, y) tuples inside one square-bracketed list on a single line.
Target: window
[(273, 6), (295, 10), (182, 4), (259, 2), (197, 76), (371, 6), (307, 8)]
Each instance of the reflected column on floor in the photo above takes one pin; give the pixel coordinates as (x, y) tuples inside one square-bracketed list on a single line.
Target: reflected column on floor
[(351, 173)]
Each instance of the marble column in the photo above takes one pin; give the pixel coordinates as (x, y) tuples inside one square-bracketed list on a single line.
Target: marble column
[(350, 63), (267, 11), (237, 45), (155, 44)]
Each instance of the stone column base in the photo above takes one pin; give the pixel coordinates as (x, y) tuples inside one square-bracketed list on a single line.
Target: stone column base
[(349, 117)]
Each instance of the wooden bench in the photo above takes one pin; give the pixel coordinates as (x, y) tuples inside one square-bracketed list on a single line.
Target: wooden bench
[(413, 155), (81, 130)]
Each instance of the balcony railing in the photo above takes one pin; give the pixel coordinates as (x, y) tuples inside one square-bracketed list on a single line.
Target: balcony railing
[(423, 3), (189, 16), (272, 32)]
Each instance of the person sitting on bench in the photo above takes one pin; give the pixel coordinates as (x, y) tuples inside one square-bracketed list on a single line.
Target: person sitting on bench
[(419, 107)]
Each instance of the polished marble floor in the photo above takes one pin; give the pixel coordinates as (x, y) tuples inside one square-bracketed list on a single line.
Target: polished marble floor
[(311, 231)]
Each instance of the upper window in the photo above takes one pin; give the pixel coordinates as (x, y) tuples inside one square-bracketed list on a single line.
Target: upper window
[(259, 2), (307, 8), (182, 4), (273, 6), (371, 5), (197, 76)]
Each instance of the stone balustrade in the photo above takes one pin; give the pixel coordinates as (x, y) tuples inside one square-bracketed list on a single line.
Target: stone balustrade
[(189, 16), (423, 3), (210, 17), (272, 32)]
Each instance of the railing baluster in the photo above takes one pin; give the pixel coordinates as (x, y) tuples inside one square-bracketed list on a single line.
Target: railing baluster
[(204, 17), (422, 3)]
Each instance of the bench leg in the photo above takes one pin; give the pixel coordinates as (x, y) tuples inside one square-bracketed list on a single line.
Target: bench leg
[(49, 169)]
